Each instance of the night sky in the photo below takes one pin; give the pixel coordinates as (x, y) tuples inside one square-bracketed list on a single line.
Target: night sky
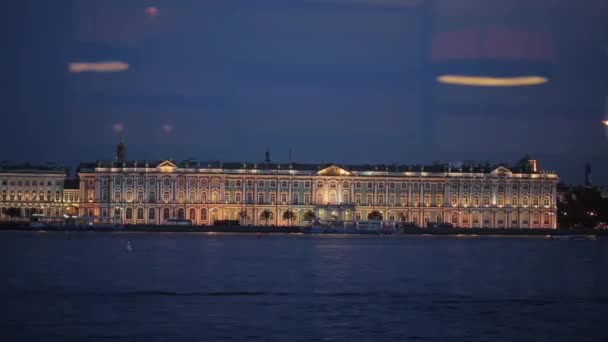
[(334, 80)]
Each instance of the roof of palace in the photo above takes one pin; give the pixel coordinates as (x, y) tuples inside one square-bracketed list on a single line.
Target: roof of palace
[(6, 167), (465, 167), (71, 183)]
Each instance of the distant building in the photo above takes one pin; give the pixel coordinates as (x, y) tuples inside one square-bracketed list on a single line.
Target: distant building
[(71, 197), (33, 189), (466, 195)]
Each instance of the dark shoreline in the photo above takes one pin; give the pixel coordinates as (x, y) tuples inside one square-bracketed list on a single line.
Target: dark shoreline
[(19, 226)]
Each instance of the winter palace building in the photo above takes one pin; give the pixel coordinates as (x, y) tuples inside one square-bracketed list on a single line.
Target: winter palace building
[(464, 194)]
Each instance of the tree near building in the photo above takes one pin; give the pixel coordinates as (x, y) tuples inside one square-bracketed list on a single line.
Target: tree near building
[(309, 216), (12, 212), (374, 215), (266, 215), (242, 215), (289, 215)]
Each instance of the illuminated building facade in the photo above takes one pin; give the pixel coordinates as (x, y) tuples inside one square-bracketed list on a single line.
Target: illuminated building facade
[(465, 195), (32, 190)]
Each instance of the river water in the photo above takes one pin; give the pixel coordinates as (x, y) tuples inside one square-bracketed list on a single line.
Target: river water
[(212, 287)]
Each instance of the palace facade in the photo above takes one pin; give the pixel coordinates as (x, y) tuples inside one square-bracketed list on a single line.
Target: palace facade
[(31, 190), (465, 194)]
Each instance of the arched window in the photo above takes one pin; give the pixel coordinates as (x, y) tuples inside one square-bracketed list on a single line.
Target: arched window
[(192, 197), (214, 197), (166, 197), (117, 196), (140, 213), (536, 218), (546, 219), (166, 214), (486, 200), (500, 218), (203, 197), (525, 218), (151, 197), (524, 201), (346, 197), (475, 218), (476, 201), (260, 198), (181, 213), (454, 218), (535, 201), (203, 214), (192, 214), (129, 196), (129, 214), (501, 200), (465, 200), (319, 197), (404, 200), (57, 196), (140, 196), (332, 197), (454, 200), (547, 201), (151, 214), (514, 201), (181, 197), (370, 199), (380, 199), (439, 218)]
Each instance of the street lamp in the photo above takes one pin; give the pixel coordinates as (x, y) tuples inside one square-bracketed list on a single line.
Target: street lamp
[(605, 122)]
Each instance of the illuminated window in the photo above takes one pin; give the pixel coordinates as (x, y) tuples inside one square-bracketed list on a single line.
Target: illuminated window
[(546, 219), (380, 199), (403, 200), (465, 200), (525, 218), (226, 196), (357, 199), (117, 197), (370, 199), (454, 200), (514, 219), (486, 218), (140, 196), (203, 214), (439, 200), (391, 199), (475, 218), (486, 200), (535, 219), (427, 200), (454, 218), (346, 197), (204, 197), (535, 201), (501, 200), (129, 214), (500, 218), (416, 200), (524, 201), (319, 197), (166, 197), (129, 196), (192, 214), (546, 201), (476, 201), (192, 197), (514, 201), (465, 219), (140, 213)]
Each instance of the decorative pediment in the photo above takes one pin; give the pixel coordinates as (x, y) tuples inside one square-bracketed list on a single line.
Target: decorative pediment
[(502, 171), (333, 170), (166, 166)]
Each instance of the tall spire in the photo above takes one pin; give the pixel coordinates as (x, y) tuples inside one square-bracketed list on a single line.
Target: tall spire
[(121, 150)]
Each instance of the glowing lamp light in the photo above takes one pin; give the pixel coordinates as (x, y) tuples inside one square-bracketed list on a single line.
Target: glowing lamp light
[(605, 122), (152, 11), (489, 81), (109, 66)]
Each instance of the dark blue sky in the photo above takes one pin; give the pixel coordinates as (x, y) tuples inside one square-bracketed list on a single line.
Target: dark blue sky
[(335, 80)]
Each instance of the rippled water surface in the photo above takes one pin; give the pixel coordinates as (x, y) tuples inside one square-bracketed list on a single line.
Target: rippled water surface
[(210, 287)]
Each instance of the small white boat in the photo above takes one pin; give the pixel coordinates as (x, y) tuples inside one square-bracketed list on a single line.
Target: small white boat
[(129, 248)]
